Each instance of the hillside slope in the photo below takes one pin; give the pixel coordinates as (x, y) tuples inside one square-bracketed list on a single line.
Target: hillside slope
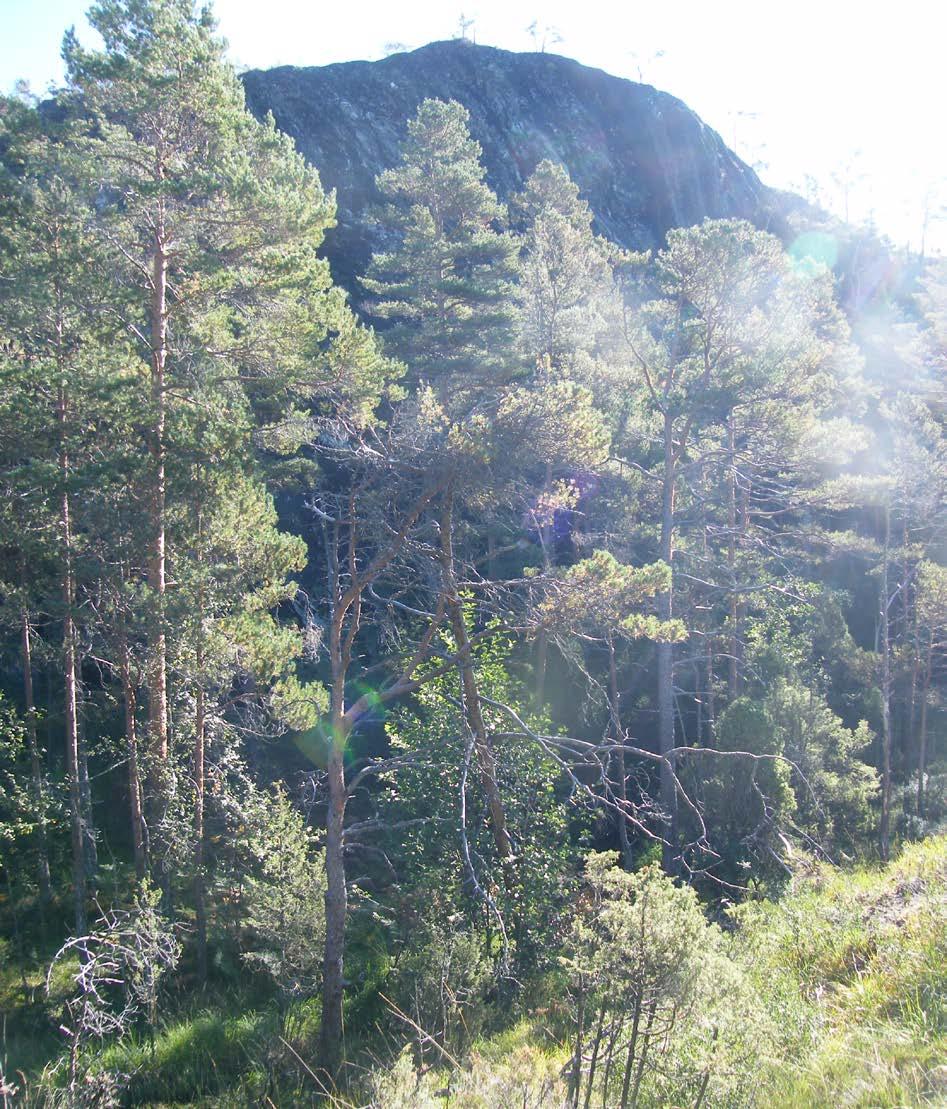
[(641, 157)]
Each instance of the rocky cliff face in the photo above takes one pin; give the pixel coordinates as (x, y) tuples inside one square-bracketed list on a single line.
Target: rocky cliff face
[(643, 159)]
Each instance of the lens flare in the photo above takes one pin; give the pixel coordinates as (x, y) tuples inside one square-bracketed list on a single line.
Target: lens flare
[(814, 250)]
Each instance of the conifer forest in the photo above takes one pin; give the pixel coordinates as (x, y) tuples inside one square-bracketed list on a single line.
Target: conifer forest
[(515, 680)]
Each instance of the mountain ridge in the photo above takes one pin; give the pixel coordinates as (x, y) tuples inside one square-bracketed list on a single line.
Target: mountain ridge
[(641, 157)]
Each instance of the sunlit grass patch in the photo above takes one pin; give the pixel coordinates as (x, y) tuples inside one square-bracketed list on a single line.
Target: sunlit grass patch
[(195, 1056), (867, 952)]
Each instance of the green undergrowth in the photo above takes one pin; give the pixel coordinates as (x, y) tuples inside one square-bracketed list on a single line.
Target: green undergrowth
[(856, 963), (849, 970), (28, 1039), (849, 1004), (198, 1055)]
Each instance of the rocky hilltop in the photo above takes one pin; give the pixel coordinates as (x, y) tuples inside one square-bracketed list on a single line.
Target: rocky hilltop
[(641, 157)]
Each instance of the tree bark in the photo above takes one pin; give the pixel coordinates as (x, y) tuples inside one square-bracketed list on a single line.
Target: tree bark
[(85, 794), (708, 692), (885, 827), (732, 668), (542, 641), (615, 713), (665, 653), (613, 1033), (68, 590), (200, 730), (473, 708), (642, 1058), (593, 1061), (331, 1028), (922, 739), (575, 1079), (632, 1047), (542, 652), (36, 771), (69, 644), (158, 727), (131, 743), (200, 899), (158, 682), (740, 610), (72, 724), (910, 621)]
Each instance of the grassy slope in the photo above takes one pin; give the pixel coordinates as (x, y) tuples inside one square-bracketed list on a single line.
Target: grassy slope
[(850, 967), (851, 964), (859, 959)]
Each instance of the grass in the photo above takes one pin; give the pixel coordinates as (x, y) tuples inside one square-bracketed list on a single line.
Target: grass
[(28, 1039), (850, 977), (849, 971), (867, 953), (192, 1057), (204, 1046)]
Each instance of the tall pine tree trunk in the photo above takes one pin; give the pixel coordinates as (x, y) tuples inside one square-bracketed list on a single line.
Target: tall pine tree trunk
[(665, 652), (542, 643), (732, 668), (331, 1028), (336, 897), (740, 610), (71, 698), (36, 772), (922, 739), (158, 683), (200, 891), (131, 744), (473, 707), (200, 895), (708, 691), (885, 829), (159, 769), (909, 618), (709, 682), (68, 590), (85, 792), (614, 705)]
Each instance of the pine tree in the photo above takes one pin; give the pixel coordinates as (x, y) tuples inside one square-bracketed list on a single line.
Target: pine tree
[(447, 283), (721, 325), (568, 310), (232, 571), (213, 223), (568, 306), (61, 408)]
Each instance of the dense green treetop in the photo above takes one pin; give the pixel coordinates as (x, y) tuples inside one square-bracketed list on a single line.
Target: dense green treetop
[(447, 282)]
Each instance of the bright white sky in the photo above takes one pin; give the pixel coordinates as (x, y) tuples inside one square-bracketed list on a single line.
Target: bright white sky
[(837, 90)]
